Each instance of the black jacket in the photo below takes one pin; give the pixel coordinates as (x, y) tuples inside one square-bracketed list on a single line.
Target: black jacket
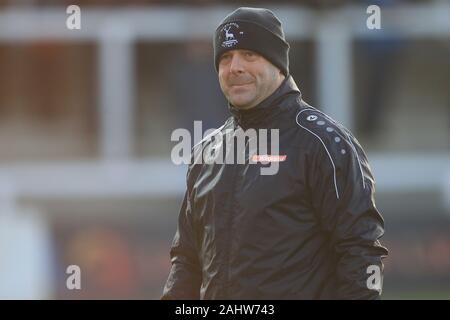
[(310, 231)]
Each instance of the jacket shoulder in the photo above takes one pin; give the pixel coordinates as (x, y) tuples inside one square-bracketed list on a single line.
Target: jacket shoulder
[(211, 140), (321, 128), (335, 144)]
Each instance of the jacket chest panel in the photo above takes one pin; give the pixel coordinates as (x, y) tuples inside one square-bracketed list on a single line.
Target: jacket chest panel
[(231, 194)]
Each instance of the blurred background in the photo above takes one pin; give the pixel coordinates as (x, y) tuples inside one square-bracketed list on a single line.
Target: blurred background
[(86, 118)]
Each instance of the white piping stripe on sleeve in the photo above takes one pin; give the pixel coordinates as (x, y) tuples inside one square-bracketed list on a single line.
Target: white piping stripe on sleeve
[(331, 159), (357, 157), (209, 135), (349, 141)]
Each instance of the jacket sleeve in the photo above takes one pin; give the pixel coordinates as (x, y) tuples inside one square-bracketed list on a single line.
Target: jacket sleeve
[(184, 279), (343, 197)]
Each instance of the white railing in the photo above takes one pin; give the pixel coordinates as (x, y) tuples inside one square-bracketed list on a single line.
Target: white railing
[(116, 30)]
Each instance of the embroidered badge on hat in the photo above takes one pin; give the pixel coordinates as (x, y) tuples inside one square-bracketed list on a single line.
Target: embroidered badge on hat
[(229, 36)]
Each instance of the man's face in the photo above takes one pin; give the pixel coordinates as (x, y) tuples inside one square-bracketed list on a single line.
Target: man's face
[(247, 78)]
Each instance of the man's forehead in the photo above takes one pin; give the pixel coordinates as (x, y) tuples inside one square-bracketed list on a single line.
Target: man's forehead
[(239, 51)]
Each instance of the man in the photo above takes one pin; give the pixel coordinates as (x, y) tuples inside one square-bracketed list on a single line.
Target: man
[(310, 231)]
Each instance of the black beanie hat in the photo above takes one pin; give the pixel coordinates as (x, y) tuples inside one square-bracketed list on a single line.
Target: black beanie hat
[(255, 29)]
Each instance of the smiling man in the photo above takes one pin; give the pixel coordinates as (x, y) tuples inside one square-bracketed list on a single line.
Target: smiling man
[(247, 78), (312, 230)]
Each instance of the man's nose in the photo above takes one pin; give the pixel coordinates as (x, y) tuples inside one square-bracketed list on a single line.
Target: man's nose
[(236, 65)]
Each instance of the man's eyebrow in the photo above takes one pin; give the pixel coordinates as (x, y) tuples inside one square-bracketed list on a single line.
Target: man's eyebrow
[(228, 53)]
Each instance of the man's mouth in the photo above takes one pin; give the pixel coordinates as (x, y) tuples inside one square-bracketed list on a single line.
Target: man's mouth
[(239, 84)]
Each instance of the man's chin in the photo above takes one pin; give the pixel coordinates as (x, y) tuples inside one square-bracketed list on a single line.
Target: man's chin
[(242, 105), (242, 102)]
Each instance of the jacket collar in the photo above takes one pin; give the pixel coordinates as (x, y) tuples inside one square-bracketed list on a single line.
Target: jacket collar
[(272, 105)]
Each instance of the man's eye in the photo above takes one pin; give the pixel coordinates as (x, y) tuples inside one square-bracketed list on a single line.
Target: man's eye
[(249, 54)]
